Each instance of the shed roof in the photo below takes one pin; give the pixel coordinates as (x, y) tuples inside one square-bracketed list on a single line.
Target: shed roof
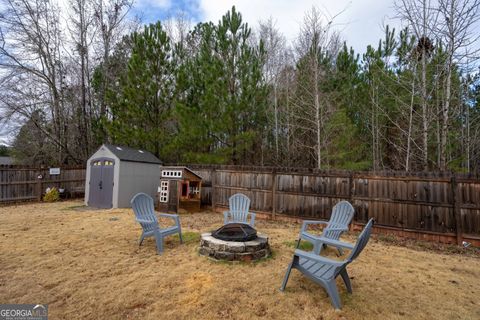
[(133, 155)]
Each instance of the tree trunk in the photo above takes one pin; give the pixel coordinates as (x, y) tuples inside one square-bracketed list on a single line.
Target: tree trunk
[(424, 92), (275, 105), (317, 119), (410, 120), (424, 112)]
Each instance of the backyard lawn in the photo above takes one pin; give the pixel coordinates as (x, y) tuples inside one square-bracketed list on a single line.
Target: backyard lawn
[(86, 264)]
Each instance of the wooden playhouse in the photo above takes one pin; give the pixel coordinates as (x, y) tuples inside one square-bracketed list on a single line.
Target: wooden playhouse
[(179, 188)]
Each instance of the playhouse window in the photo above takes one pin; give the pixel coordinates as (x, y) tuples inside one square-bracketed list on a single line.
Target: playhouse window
[(172, 173), (196, 190), (163, 191)]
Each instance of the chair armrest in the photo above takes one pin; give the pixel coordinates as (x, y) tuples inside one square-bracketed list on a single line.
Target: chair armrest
[(146, 223), (336, 243), (167, 215), (172, 216), (338, 229), (252, 218), (317, 258), (307, 222), (225, 216), (309, 237)]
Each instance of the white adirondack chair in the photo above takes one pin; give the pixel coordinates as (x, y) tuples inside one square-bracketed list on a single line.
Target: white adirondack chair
[(323, 270), (239, 204), (342, 215), (142, 205)]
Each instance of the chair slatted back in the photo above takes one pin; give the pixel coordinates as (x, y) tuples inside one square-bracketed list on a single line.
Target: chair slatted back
[(361, 241), (142, 205), (342, 215), (239, 205)]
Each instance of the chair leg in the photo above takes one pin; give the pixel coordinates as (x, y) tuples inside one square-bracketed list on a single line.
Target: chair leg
[(180, 236), (287, 275), (346, 280), (159, 241), (142, 237), (298, 243), (332, 291), (340, 251)]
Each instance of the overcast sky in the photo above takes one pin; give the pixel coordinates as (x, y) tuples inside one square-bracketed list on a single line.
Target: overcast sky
[(360, 21)]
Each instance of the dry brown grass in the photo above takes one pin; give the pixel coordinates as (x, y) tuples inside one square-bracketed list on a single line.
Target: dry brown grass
[(86, 265)]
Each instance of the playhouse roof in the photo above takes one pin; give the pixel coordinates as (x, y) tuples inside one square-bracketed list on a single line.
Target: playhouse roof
[(134, 155), (183, 168)]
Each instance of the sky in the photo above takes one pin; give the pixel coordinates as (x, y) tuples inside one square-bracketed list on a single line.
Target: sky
[(361, 22)]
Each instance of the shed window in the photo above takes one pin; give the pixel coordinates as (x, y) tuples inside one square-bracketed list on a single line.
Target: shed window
[(163, 191), (108, 163)]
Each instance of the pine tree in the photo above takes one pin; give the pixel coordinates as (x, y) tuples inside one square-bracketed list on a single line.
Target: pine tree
[(200, 109), (222, 95), (141, 107)]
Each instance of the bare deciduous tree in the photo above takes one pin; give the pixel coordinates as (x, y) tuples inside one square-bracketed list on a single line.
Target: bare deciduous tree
[(274, 43), (316, 43), (31, 56), (456, 27), (421, 17)]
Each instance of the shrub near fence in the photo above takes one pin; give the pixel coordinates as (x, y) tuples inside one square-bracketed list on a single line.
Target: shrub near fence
[(442, 207), (27, 183)]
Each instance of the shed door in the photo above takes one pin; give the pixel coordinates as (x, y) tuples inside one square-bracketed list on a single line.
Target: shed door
[(101, 183)]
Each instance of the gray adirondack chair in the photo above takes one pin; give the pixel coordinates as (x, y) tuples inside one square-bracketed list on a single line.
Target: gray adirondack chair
[(239, 204), (323, 270), (142, 205), (342, 215)]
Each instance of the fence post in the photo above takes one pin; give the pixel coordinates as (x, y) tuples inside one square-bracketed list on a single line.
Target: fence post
[(274, 188), (214, 171), (39, 177), (457, 212), (351, 191)]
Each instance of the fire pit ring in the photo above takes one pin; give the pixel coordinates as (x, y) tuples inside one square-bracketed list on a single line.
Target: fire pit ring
[(219, 249), (235, 232)]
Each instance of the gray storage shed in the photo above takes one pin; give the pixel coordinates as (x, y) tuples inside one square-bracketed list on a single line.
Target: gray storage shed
[(116, 173)]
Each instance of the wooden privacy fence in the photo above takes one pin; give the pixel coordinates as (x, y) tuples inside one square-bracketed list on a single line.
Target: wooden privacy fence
[(433, 206), (27, 183)]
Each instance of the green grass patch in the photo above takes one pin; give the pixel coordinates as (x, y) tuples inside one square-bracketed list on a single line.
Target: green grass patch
[(188, 237), (74, 208), (304, 245)]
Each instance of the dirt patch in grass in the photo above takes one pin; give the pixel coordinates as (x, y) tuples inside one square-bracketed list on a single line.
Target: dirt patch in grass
[(86, 265)]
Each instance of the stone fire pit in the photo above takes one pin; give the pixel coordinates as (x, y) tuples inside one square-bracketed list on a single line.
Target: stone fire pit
[(234, 250)]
